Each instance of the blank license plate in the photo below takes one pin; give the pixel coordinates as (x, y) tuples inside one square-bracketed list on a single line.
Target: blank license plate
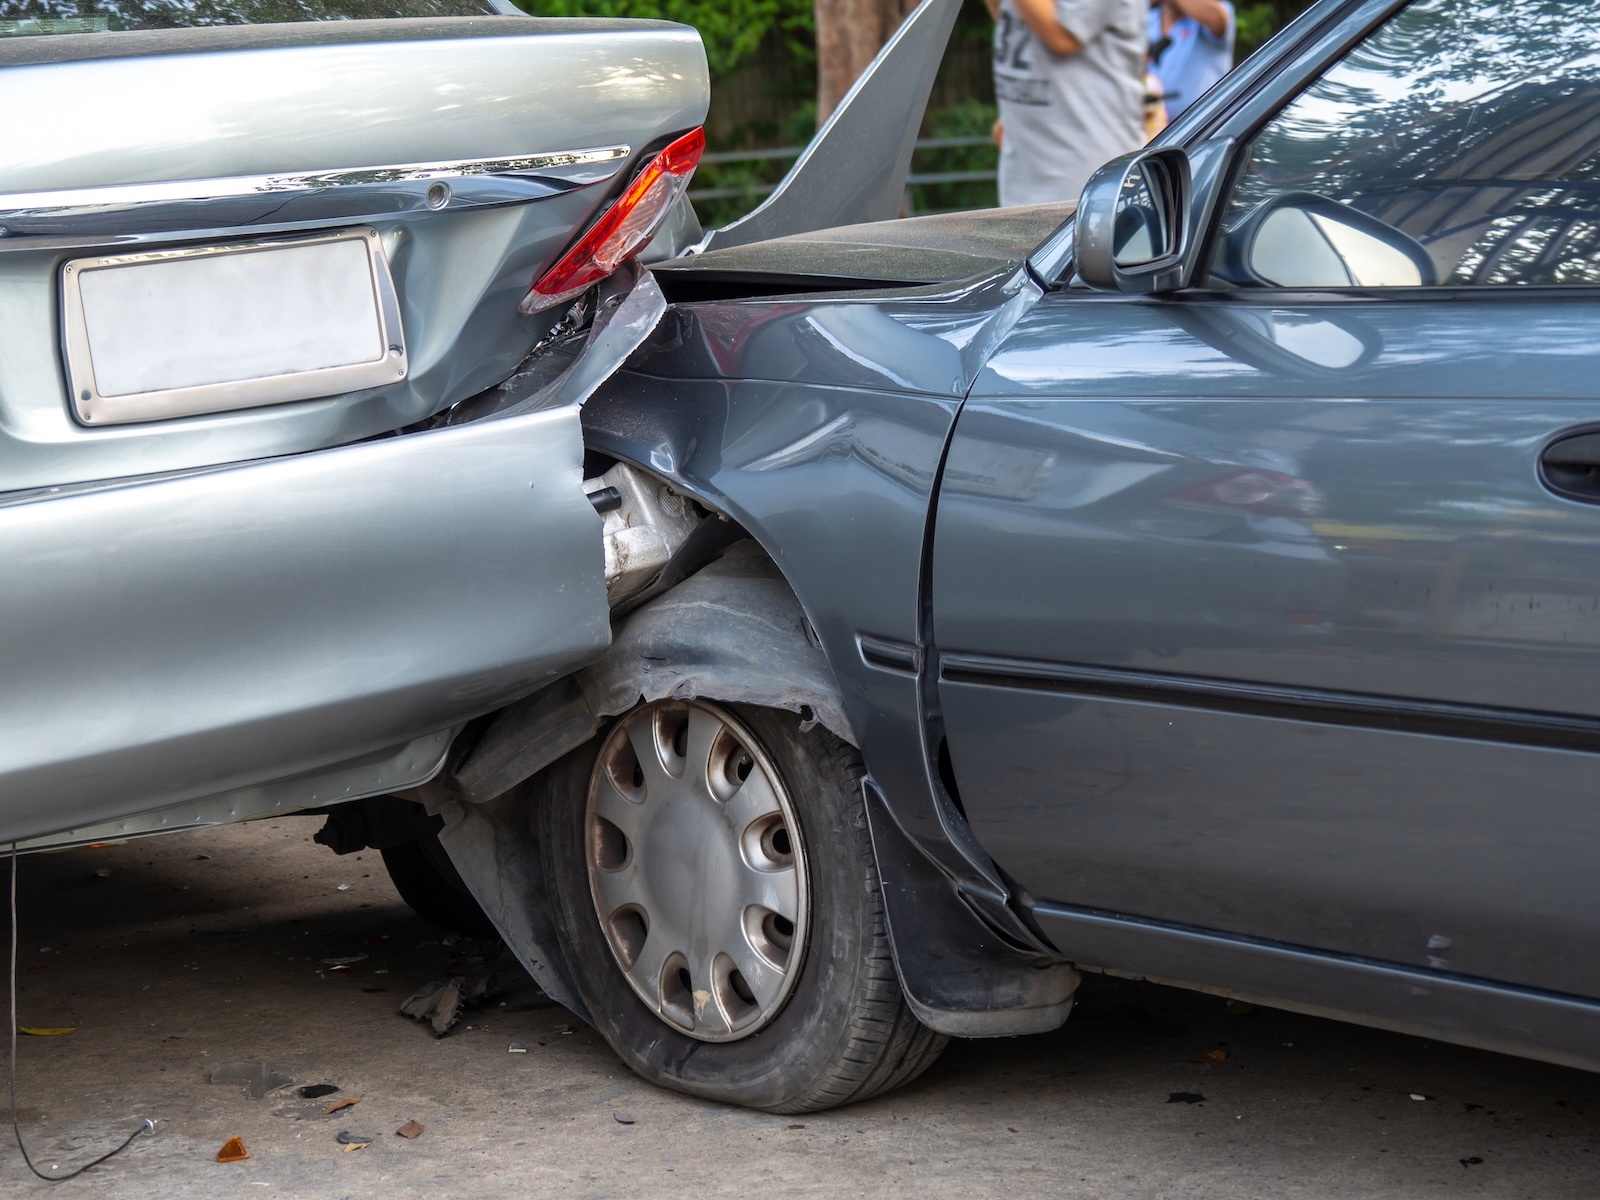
[(179, 333)]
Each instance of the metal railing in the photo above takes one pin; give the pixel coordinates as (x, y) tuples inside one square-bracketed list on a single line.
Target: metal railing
[(787, 152)]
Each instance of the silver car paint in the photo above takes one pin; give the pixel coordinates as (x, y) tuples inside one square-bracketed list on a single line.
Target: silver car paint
[(227, 628), (218, 616), (375, 774), (253, 101)]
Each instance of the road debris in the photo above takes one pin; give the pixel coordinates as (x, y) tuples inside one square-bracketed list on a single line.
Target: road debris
[(342, 1102), (346, 960), (1220, 1054), (46, 1030), (1185, 1098), (352, 1141), (411, 1129), (622, 1118), (256, 1077), (1473, 1161), (470, 980), (232, 1151), (344, 887), (439, 1004), (1420, 1096), (516, 1048), (312, 1090)]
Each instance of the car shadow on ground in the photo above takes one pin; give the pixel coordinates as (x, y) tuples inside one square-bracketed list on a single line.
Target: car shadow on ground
[(169, 956)]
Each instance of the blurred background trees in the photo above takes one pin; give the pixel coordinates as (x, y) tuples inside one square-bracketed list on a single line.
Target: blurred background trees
[(778, 66)]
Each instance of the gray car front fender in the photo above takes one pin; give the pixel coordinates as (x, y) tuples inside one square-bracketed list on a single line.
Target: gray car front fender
[(734, 632)]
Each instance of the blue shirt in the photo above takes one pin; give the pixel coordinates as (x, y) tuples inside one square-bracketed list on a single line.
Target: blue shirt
[(1195, 59)]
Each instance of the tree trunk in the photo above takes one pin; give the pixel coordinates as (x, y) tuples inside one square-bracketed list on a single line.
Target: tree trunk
[(849, 34)]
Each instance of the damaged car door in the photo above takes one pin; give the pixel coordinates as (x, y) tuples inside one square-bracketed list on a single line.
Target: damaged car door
[(243, 270)]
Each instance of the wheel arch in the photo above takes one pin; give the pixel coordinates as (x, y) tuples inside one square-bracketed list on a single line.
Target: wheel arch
[(733, 632)]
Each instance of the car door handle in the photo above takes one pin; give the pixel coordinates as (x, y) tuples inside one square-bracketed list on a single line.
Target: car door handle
[(1570, 467)]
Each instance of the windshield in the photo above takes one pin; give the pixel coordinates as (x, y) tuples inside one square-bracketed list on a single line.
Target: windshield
[(21, 18)]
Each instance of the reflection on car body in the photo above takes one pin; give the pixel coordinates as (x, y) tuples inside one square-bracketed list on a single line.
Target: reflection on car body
[(837, 634)]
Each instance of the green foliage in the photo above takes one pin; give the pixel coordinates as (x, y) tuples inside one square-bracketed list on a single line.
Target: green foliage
[(1255, 24), (1258, 21), (731, 29), (971, 118)]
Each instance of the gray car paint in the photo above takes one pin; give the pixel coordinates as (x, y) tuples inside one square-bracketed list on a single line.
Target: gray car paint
[(1427, 880), (775, 403), (1399, 833), (1438, 569)]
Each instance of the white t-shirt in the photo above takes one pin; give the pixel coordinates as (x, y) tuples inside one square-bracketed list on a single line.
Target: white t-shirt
[(1066, 117)]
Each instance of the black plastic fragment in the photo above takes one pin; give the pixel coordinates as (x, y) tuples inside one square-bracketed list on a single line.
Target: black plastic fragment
[(607, 499)]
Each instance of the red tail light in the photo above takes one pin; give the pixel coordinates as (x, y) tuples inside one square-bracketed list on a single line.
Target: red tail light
[(624, 229)]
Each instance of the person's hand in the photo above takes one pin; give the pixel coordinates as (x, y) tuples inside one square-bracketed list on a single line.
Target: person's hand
[(1213, 14), (1040, 17), (998, 133)]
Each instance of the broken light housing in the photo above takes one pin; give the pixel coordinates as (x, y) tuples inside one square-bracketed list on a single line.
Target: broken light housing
[(624, 229)]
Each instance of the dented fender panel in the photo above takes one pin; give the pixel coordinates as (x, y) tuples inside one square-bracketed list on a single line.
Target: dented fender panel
[(734, 632)]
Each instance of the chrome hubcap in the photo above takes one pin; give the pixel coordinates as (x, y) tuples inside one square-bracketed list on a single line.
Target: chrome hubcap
[(696, 869)]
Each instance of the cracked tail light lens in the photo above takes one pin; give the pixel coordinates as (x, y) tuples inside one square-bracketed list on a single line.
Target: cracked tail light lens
[(624, 229)]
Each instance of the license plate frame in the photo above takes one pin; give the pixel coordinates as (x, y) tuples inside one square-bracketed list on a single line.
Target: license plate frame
[(296, 307)]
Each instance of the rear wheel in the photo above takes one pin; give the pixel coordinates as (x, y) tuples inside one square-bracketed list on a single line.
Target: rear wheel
[(428, 881), (717, 901)]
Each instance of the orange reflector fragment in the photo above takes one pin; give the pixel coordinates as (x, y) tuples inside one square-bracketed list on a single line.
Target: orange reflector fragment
[(232, 1151)]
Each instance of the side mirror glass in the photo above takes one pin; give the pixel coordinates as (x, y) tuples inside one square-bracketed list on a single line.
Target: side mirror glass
[(1132, 224), (1307, 241), (1143, 230)]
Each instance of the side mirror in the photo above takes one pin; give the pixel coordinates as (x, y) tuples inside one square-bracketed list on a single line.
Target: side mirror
[(1302, 240), (1132, 229)]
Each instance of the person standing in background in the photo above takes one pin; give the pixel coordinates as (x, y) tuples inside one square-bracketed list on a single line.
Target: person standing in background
[(1068, 76), (1191, 47)]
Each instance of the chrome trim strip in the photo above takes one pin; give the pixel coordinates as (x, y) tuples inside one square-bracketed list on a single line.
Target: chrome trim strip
[(1284, 702), (93, 408), (71, 201)]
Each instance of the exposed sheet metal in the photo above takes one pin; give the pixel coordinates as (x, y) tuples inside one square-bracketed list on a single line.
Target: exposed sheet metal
[(855, 169)]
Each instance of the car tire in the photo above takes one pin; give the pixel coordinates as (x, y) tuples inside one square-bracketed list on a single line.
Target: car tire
[(841, 1030), (428, 882)]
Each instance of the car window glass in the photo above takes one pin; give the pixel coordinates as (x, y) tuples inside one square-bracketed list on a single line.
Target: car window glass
[(1458, 144), (22, 18)]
